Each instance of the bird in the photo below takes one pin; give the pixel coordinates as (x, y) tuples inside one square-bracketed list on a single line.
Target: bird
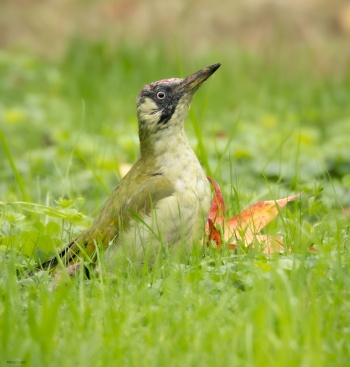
[(163, 202)]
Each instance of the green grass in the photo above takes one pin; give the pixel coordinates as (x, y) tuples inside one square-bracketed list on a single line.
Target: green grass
[(262, 128)]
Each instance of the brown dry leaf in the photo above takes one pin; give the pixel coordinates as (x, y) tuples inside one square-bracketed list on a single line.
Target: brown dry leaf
[(244, 227)]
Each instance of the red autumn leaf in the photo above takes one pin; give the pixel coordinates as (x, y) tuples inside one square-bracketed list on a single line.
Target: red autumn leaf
[(245, 226), (217, 209)]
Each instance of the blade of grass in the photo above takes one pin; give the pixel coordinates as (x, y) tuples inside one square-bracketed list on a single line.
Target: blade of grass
[(13, 166)]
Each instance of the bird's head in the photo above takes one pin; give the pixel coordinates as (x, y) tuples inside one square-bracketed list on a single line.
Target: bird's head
[(164, 104)]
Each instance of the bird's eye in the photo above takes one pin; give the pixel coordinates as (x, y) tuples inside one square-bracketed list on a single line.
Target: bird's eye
[(160, 95)]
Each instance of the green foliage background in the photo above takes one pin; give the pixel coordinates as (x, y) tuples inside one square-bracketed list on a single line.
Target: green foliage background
[(263, 127)]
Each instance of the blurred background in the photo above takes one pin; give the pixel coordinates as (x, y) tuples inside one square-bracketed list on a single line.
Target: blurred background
[(46, 27), (275, 118)]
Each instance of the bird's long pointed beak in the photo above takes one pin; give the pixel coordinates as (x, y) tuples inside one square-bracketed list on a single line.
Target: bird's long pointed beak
[(194, 81)]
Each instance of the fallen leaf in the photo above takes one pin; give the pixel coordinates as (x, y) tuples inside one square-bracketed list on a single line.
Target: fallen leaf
[(245, 227), (217, 209)]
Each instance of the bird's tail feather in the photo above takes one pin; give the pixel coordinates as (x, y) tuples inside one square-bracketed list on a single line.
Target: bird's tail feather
[(81, 249)]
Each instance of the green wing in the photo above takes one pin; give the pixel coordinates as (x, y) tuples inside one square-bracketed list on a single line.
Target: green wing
[(135, 194)]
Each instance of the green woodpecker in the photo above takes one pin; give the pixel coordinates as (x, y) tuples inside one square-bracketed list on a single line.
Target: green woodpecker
[(164, 200)]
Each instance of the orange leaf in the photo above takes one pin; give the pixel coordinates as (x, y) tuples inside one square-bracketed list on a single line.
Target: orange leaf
[(213, 233), (256, 217), (246, 225)]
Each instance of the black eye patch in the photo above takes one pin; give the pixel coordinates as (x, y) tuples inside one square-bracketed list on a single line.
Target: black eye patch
[(166, 100), (169, 108)]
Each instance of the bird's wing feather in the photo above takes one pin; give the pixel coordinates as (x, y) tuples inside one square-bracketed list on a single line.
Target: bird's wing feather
[(115, 216)]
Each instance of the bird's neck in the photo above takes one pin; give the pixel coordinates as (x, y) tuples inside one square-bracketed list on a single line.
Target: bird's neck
[(165, 147), (167, 140)]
